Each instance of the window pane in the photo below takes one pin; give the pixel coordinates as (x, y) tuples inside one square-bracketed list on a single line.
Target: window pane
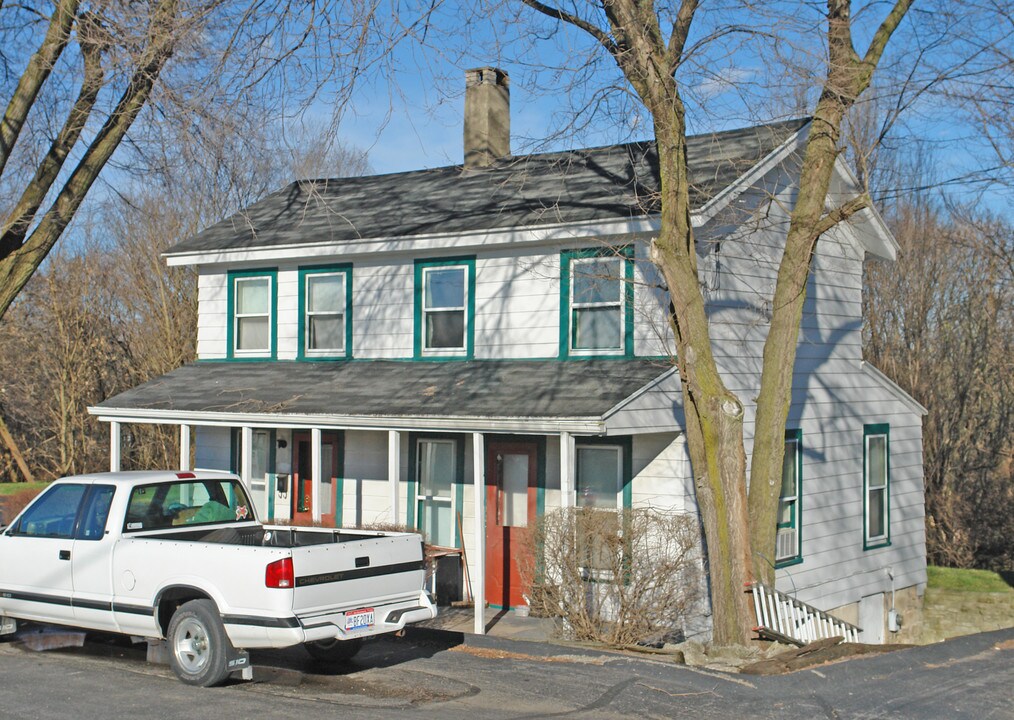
[(877, 459), (325, 293), (53, 515), (252, 333), (786, 512), (598, 477), (445, 288), (598, 281), (252, 296), (436, 468), (326, 332), (261, 452), (876, 510), (515, 490), (326, 481), (445, 330), (436, 521), (597, 329), (93, 520), (789, 465)]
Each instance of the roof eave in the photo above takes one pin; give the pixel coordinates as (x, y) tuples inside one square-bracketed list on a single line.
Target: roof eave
[(752, 176), (460, 423)]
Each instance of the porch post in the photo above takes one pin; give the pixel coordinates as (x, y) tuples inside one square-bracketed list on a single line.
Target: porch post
[(566, 469), (114, 446), (315, 443), (184, 447), (393, 471), (246, 455), (479, 488)]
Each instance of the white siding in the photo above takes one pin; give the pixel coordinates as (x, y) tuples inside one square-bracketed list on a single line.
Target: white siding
[(367, 498), (288, 310), (382, 308), (212, 318), (517, 304), (213, 448), (659, 470)]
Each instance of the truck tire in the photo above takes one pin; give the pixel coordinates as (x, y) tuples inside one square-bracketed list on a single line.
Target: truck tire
[(197, 643), (334, 651)]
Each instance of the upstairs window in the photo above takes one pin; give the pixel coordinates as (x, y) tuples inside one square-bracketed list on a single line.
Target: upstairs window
[(596, 303), (253, 304), (324, 303), (788, 539), (445, 308), (876, 486)]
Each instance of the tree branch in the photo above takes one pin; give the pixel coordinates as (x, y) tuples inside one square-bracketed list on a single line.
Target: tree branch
[(18, 267), (16, 225), (884, 32), (39, 67), (841, 213), (680, 32), (593, 30)]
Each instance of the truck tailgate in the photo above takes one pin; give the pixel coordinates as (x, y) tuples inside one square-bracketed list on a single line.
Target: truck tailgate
[(352, 575)]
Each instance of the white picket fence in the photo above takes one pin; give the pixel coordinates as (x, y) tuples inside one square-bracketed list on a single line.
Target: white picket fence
[(781, 617)]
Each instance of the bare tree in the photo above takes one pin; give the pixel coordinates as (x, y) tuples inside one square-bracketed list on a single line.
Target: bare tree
[(177, 65), (650, 42), (942, 324)]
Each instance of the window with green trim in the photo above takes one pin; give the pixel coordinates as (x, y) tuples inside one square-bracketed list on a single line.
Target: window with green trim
[(788, 538), (252, 305), (876, 486), (599, 476), (325, 302), (597, 302), (445, 307)]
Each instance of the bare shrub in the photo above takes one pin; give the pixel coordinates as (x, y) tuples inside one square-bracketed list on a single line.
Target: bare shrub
[(614, 577)]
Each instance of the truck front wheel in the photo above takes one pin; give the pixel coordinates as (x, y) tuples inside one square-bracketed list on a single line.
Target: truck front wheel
[(198, 645), (334, 651)]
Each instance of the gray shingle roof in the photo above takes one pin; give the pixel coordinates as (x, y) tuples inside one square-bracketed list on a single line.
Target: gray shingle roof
[(605, 183), (384, 388)]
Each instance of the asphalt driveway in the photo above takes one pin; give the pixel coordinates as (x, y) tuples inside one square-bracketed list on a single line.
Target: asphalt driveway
[(432, 674)]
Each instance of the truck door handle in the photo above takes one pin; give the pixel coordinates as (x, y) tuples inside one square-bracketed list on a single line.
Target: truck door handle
[(65, 554)]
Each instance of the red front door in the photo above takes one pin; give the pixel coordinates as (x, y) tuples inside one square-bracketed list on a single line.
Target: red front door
[(510, 516), (302, 478)]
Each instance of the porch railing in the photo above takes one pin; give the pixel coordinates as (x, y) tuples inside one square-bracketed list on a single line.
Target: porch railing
[(783, 618)]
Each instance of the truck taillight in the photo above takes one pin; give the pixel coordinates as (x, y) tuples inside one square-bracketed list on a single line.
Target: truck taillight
[(279, 574)]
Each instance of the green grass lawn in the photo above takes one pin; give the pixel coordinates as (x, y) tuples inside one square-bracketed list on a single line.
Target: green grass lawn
[(12, 488), (941, 578)]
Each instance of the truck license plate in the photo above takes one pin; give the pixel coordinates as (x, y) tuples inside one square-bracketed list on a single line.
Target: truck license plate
[(359, 619)]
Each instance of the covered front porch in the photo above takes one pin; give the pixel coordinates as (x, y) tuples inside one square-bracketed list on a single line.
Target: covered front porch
[(556, 435)]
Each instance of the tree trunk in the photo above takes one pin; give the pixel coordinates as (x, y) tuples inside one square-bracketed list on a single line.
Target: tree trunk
[(848, 76)]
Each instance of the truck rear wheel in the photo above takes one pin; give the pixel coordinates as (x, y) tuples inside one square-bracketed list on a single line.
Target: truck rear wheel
[(334, 651), (198, 645)]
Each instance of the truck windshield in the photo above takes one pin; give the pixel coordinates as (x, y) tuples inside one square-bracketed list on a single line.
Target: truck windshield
[(189, 503)]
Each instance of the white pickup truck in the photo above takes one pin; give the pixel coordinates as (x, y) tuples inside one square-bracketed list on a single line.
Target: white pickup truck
[(181, 556)]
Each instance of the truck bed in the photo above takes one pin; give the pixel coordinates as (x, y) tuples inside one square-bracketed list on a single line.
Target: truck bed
[(265, 536)]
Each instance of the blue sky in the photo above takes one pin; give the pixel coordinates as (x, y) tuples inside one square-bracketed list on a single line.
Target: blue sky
[(412, 117)]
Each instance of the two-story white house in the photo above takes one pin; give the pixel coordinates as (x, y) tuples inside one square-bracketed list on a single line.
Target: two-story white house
[(461, 348)]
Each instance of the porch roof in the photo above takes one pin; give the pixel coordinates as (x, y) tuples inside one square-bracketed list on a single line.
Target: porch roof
[(384, 392)]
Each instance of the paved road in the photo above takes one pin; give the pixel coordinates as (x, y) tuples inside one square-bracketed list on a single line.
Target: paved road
[(430, 675)]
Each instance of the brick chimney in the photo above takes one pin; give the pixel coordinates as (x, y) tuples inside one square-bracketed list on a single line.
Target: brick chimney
[(487, 116)]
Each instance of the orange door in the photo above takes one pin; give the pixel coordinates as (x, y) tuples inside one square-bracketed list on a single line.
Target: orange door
[(510, 514), (302, 478)]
